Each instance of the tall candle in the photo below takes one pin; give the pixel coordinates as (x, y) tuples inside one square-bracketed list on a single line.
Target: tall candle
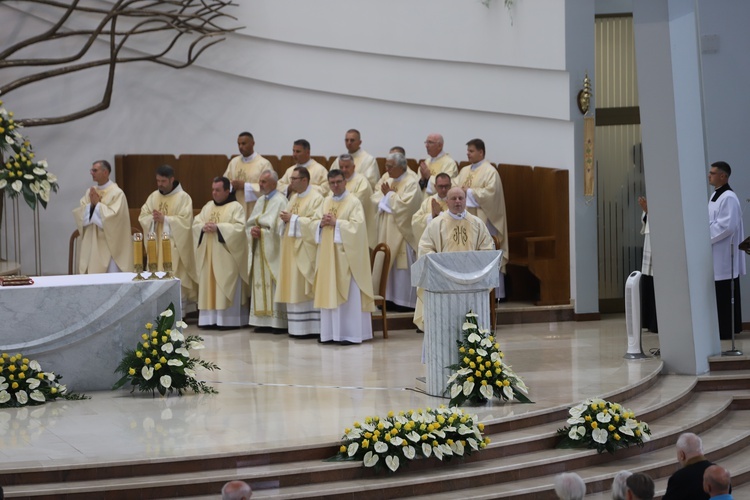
[(138, 249), (166, 249), (151, 248)]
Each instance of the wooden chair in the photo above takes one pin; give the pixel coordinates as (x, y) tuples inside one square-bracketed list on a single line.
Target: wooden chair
[(380, 293)]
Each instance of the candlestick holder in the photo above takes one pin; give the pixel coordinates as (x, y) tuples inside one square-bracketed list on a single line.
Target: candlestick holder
[(138, 256), (153, 264), (166, 256)]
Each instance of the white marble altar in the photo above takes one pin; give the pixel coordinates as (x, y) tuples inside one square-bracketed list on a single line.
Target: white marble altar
[(79, 326), (453, 284)]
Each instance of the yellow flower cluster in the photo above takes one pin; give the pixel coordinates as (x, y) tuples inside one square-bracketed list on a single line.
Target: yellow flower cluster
[(22, 382)]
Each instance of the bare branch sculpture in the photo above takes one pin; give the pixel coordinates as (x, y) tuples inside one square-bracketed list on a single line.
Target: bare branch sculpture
[(167, 25)]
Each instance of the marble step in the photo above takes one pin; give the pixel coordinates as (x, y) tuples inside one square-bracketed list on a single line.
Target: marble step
[(723, 363), (724, 380)]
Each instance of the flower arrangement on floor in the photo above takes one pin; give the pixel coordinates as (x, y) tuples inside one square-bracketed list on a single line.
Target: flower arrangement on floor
[(19, 169), (481, 372), (161, 361), (24, 383), (601, 425), (393, 441)]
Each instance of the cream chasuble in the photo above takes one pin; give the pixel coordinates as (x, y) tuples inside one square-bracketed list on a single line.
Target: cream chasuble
[(423, 217), (486, 188), (298, 249), (110, 241), (339, 262), (265, 259), (220, 264), (318, 178), (394, 228), (364, 164), (448, 234), (248, 172), (177, 207), (360, 187), (443, 163)]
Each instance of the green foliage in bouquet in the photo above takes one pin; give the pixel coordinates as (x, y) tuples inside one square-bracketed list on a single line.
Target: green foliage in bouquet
[(601, 425), (161, 361), (481, 372), (24, 383)]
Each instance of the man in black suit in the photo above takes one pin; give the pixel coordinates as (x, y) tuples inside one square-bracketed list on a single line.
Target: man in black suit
[(687, 483)]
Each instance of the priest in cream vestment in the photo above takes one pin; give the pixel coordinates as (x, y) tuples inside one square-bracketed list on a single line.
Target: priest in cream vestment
[(243, 172), (397, 197), (265, 255), (221, 259), (103, 221), (298, 256), (359, 186), (169, 209), (438, 161), (318, 173), (454, 230), (485, 198), (365, 164), (343, 282), (432, 206)]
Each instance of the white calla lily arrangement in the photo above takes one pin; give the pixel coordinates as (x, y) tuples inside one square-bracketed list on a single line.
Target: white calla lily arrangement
[(604, 426), (162, 362), (396, 440), (481, 372), (24, 383)]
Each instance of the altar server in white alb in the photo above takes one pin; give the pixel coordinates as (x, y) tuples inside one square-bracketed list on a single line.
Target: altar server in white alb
[(343, 283), (727, 232), (265, 255), (103, 221), (169, 209), (221, 258), (244, 171)]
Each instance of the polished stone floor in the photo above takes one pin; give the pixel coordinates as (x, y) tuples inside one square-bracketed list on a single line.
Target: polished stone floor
[(277, 392)]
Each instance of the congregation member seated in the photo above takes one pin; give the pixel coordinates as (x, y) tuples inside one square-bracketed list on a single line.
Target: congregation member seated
[(569, 486)]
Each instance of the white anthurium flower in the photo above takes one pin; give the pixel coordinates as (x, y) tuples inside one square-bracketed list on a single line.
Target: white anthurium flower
[(368, 427), (181, 324), (4, 396), (28, 176), (446, 449), (49, 376), (455, 390), (34, 187), (44, 195), (147, 372), (603, 417), (521, 386), (189, 373), (486, 343), (34, 365), (426, 450), (452, 378), (175, 362), (575, 420), (3, 183), (473, 443), (645, 436), (38, 396), (576, 411), (508, 391), (176, 336), (167, 313), (39, 171), (413, 437), (396, 441), (472, 315), (352, 449), (45, 185), (626, 430), (439, 433), (482, 352), (166, 381), (458, 448), (486, 391), (474, 338), (465, 371), (182, 352), (33, 383), (61, 389), (45, 165), (168, 347), (370, 459), (438, 452), (22, 397), (573, 433), (450, 428), (392, 462), (380, 447), (354, 434), (468, 387), (9, 140), (196, 345), (495, 356), (409, 452), (386, 424), (17, 186), (463, 430), (467, 326), (600, 435)]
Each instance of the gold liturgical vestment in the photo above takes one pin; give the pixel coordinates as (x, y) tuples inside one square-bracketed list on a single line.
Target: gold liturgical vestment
[(318, 178), (98, 245), (265, 258), (394, 228), (298, 254), (364, 164), (177, 207), (423, 217), (249, 172), (487, 188), (442, 164), (221, 259), (360, 187), (339, 262), (447, 234)]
